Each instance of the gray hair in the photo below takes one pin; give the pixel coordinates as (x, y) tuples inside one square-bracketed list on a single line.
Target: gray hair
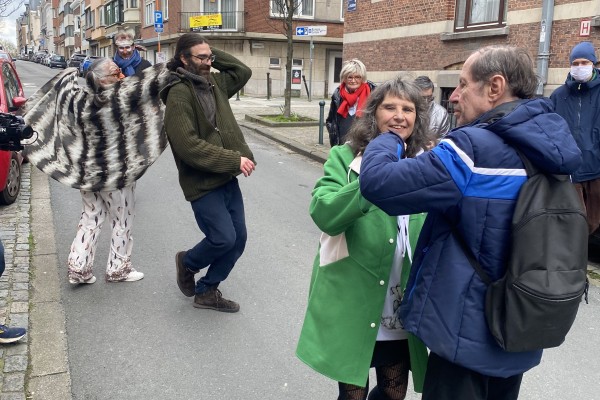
[(96, 70), (512, 63), (354, 66), (364, 129), (424, 82)]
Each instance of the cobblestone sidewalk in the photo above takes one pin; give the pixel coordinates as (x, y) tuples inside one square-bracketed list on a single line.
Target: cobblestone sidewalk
[(14, 289)]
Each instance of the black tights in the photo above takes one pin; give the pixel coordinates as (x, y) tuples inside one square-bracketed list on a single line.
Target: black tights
[(392, 383)]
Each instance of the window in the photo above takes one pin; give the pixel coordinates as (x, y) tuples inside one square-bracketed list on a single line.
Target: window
[(149, 13), (480, 14), (165, 10), (133, 3), (227, 9), (112, 13), (70, 31), (102, 12), (302, 8), (89, 19), (11, 86), (274, 63), (343, 8)]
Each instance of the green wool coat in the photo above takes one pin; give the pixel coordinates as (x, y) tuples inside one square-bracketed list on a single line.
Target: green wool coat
[(350, 277), (206, 156)]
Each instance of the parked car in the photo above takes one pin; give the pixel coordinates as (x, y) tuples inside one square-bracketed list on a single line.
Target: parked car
[(7, 57), (39, 56), (12, 98), (57, 61), (46, 59), (85, 64), (76, 60)]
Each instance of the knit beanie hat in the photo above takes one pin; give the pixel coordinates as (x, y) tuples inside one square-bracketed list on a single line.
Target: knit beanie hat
[(583, 50)]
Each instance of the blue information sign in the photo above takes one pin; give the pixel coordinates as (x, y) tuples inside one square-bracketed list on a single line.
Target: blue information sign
[(158, 17), (351, 5)]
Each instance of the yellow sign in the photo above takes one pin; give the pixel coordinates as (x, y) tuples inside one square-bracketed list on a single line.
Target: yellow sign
[(202, 21)]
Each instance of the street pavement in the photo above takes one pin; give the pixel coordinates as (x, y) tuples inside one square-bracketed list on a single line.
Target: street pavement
[(30, 287)]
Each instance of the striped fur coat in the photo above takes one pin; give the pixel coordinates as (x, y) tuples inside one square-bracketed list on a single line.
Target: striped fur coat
[(97, 147)]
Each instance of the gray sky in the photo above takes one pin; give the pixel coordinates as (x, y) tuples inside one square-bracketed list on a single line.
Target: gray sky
[(8, 28)]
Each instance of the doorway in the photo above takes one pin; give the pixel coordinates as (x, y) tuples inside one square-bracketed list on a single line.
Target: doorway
[(333, 75)]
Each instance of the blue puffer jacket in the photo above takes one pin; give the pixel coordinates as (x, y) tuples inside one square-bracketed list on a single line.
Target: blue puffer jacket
[(579, 104), (470, 180)]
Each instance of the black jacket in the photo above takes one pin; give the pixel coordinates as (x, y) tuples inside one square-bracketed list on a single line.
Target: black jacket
[(334, 122)]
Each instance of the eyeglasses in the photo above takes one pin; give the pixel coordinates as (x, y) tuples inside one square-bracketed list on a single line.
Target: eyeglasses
[(428, 99), (204, 57), (354, 78), (115, 74)]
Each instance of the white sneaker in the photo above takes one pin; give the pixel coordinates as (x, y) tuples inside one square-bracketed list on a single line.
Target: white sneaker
[(74, 281), (133, 276)]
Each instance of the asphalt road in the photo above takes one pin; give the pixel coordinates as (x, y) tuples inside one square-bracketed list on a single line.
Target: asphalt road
[(144, 340)]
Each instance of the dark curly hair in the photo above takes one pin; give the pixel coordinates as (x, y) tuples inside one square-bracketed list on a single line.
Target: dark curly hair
[(182, 48), (364, 129)]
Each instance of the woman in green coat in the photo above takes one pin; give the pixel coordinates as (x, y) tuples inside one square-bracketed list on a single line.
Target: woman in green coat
[(364, 260)]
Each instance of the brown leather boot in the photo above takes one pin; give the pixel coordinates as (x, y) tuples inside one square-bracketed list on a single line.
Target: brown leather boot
[(213, 299), (185, 277)]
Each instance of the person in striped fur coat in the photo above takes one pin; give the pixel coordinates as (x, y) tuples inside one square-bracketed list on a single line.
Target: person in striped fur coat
[(84, 142)]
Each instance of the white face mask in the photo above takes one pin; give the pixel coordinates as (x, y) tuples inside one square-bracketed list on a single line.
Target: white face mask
[(582, 73)]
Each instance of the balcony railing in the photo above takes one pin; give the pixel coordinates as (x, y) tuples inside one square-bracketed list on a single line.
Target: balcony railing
[(233, 21)]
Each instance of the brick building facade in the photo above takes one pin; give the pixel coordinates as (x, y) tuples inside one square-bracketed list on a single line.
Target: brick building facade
[(431, 37)]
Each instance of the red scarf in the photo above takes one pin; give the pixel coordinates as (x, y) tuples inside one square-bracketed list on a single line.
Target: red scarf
[(349, 99)]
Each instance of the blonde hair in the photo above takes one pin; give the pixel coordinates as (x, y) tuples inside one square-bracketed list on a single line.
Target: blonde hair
[(354, 66)]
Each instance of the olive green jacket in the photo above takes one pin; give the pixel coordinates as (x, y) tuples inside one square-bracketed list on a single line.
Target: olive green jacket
[(350, 277), (206, 156)]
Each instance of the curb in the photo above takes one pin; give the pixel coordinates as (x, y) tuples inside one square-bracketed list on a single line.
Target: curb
[(314, 154), (49, 376)]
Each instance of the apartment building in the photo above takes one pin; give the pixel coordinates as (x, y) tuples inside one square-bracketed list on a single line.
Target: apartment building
[(252, 30), (434, 37)]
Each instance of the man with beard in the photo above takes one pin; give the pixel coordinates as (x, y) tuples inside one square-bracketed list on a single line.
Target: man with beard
[(210, 151), (127, 57)]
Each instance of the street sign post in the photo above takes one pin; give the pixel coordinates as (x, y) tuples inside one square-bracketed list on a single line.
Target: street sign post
[(313, 30), (158, 25)]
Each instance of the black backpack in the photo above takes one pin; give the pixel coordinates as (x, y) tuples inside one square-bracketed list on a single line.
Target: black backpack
[(534, 304)]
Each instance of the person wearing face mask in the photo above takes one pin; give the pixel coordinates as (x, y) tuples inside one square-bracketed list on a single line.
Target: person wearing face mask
[(577, 102), (127, 57)]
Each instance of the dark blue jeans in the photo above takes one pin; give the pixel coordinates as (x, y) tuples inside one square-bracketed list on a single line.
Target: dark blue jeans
[(220, 216), (2, 262)]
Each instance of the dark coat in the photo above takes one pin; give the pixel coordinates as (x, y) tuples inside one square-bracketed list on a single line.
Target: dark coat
[(577, 103), (336, 125), (469, 182)]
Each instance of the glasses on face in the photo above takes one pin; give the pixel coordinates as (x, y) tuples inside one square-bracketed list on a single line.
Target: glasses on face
[(115, 74), (354, 78), (428, 99), (204, 57)]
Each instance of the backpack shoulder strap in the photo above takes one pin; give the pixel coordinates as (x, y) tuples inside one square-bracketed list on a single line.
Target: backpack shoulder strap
[(471, 257)]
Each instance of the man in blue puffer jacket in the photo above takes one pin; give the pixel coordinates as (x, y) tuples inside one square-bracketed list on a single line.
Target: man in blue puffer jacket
[(469, 184), (577, 102)]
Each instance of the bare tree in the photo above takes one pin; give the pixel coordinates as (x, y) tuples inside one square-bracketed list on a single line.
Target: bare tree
[(7, 7), (287, 8)]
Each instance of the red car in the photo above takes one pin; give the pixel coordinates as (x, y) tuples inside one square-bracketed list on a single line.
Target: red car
[(12, 98)]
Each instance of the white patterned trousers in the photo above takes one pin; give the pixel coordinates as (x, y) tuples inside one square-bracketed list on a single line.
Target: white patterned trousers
[(119, 206)]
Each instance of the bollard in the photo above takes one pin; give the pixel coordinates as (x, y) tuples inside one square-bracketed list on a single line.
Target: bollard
[(321, 121), (268, 86), (237, 96)]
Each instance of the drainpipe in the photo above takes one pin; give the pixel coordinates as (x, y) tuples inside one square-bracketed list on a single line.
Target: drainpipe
[(543, 57)]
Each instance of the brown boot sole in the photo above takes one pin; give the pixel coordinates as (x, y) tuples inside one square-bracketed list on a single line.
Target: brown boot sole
[(227, 310)]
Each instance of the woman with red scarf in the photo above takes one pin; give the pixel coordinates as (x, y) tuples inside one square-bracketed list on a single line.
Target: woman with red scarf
[(348, 100)]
